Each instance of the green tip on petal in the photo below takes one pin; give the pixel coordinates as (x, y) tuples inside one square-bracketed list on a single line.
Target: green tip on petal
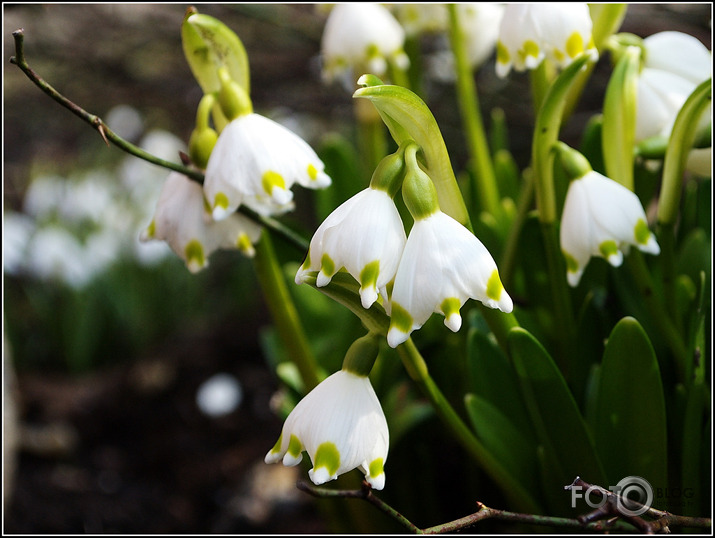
[(574, 45), (608, 248), (530, 48), (295, 447), (494, 286), (151, 229), (220, 201), (377, 467), (571, 263), (195, 258), (641, 232), (327, 456), (503, 56), (272, 179), (369, 274), (400, 318)]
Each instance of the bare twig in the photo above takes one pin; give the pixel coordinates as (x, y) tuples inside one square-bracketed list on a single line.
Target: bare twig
[(110, 136), (606, 518)]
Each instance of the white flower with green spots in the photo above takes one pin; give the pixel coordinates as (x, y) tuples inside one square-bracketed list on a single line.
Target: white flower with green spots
[(365, 236), (363, 38), (601, 218), (443, 264), (341, 425), (183, 221), (255, 162), (530, 33)]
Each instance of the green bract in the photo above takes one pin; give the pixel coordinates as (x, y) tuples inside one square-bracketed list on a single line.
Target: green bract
[(407, 116)]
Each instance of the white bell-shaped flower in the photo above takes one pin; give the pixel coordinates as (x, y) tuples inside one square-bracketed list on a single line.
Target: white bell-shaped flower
[(365, 236), (481, 22), (183, 221), (421, 18), (529, 33), (255, 162), (361, 37), (341, 425), (601, 218), (674, 64), (443, 264)]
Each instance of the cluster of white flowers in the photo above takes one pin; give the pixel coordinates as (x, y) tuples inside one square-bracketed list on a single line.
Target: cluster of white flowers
[(435, 269), (73, 229)]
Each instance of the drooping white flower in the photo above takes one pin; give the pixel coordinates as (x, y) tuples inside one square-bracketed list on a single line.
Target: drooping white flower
[(601, 218), (183, 221), (674, 64), (341, 425), (530, 33), (366, 236), (481, 22), (421, 18), (361, 37), (255, 162), (443, 264)]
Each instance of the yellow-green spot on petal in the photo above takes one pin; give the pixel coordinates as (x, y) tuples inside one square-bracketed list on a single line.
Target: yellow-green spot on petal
[(503, 56), (277, 447), (641, 232), (400, 318), (530, 48), (372, 51), (376, 467), (151, 229), (272, 179), (312, 172), (295, 447), (195, 253), (494, 286), (244, 243), (571, 263), (327, 456), (370, 273), (450, 306), (327, 265), (574, 45), (221, 200), (559, 55), (608, 248)]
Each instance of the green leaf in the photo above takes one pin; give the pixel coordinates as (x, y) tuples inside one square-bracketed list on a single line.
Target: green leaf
[(554, 413), (619, 117), (695, 436), (681, 142), (408, 117), (630, 426), (511, 445), (492, 378), (210, 45)]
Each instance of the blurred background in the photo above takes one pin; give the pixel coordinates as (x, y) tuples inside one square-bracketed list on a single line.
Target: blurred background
[(138, 396)]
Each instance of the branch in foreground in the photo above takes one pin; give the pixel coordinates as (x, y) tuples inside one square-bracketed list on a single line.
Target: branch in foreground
[(601, 520), (110, 136)]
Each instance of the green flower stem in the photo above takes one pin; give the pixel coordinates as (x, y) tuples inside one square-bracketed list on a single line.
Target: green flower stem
[(540, 80), (679, 146), (417, 369), (508, 259), (485, 178), (563, 311), (372, 136), (660, 316), (283, 311)]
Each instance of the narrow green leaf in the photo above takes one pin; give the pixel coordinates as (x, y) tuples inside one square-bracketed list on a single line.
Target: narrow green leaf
[(492, 378), (554, 413), (681, 142), (505, 440), (695, 434), (408, 117), (630, 427), (619, 117)]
